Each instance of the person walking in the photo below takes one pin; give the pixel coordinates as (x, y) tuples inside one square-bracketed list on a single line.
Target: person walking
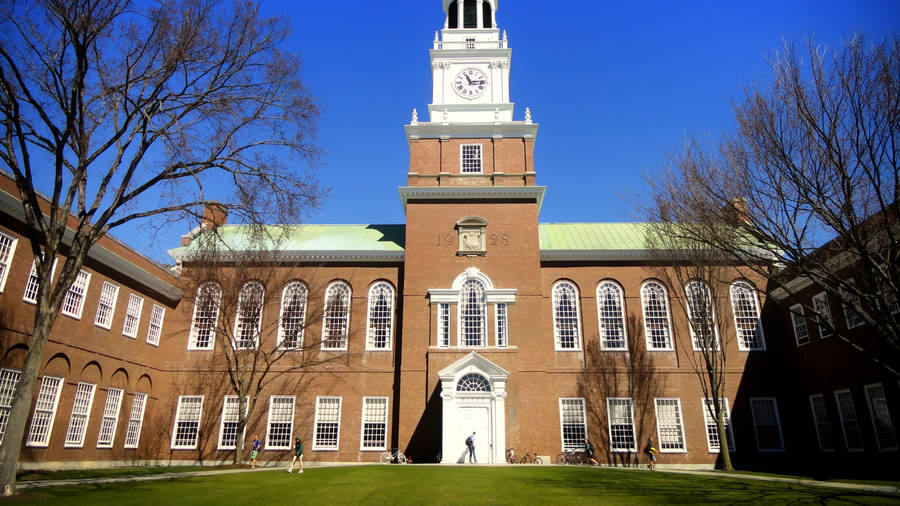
[(651, 451), (470, 444), (298, 456), (589, 452), (254, 452)]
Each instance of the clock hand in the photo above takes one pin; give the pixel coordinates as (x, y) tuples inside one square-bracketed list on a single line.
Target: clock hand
[(467, 79)]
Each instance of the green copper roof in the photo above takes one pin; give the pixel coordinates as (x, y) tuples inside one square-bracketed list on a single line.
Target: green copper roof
[(593, 236)]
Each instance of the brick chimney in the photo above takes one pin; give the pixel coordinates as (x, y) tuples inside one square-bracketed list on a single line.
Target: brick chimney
[(737, 212), (214, 216)]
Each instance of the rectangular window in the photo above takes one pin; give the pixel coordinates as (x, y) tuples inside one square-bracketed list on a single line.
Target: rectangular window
[(328, 423), (444, 325), (502, 326), (44, 412), (135, 420), (107, 305), (281, 422), (823, 315), (621, 424), (823, 426), (73, 304), (31, 285), (374, 423), (713, 440), (572, 421), (81, 413), (7, 250), (187, 422), (470, 158), (669, 426), (849, 423), (110, 418), (766, 424), (801, 333), (156, 322), (133, 316), (228, 430), (851, 302), (881, 418), (9, 378)]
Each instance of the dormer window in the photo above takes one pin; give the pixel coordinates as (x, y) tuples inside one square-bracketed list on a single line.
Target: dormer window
[(470, 158)]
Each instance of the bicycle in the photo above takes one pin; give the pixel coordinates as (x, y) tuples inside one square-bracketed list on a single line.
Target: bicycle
[(511, 456), (530, 458), (394, 455), (571, 457)]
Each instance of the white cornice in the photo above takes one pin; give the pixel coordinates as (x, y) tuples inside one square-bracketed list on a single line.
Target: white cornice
[(535, 193), (334, 256), (581, 255), (435, 130)]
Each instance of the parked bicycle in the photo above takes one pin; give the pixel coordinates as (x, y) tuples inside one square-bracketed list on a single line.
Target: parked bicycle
[(530, 458), (393, 456), (572, 457), (511, 456)]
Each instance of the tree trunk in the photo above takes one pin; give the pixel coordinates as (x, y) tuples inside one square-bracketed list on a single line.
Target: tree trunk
[(724, 442)]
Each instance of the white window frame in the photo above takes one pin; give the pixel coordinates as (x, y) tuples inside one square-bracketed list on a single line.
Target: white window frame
[(557, 337), (479, 314), (340, 322), (885, 436), (666, 424), (44, 412), (106, 305), (31, 284), (81, 415), (747, 313), (710, 423), (133, 316), (443, 325), (824, 319), (135, 420), (183, 400), (849, 420), (9, 378), (621, 423), (248, 316), (73, 304), (154, 327), (7, 252), (648, 328), (318, 420), (109, 420), (852, 319), (798, 323), (501, 325), (372, 328), (608, 323), (280, 399), (292, 319), (206, 290), (574, 417), (759, 423), (689, 306), (471, 157), (369, 418), (231, 415), (824, 433)]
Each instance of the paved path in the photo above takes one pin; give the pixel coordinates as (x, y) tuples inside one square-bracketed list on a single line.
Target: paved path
[(31, 485), (889, 489)]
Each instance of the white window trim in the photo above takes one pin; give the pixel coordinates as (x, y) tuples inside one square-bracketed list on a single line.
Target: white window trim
[(9, 389), (729, 428), (235, 337), (8, 260), (173, 446), (114, 418), (136, 316), (192, 336), (823, 296), (866, 389), (369, 330), (139, 421), (754, 297), (647, 337), (222, 422), (152, 339), (485, 338), (43, 443), (816, 420), (797, 318), (317, 447), (843, 421), (480, 158), (346, 337), (553, 303), (712, 311), (847, 309), (112, 305), (362, 424), (609, 424), (302, 322), (33, 272), (562, 434), (443, 334), (83, 295), (774, 402), (79, 442), (501, 326), (603, 330), (683, 448), (272, 399)]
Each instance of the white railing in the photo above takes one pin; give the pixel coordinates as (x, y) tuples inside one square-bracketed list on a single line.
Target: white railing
[(462, 44)]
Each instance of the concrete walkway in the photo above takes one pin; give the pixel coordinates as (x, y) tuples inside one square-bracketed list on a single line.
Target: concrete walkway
[(31, 485), (887, 489)]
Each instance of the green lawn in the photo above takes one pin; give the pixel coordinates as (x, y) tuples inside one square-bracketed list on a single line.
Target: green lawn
[(451, 485)]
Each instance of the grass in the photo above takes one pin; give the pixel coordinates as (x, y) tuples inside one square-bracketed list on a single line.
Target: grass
[(887, 483), (452, 485), (79, 474)]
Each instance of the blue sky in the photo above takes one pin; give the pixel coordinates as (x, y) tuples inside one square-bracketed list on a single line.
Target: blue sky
[(615, 86)]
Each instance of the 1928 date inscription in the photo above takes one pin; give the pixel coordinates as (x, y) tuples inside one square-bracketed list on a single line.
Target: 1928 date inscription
[(447, 239)]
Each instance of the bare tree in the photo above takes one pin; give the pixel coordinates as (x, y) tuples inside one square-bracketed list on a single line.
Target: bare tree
[(808, 178), (132, 110)]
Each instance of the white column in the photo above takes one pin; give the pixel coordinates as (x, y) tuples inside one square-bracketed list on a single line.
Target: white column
[(460, 7), (479, 13)]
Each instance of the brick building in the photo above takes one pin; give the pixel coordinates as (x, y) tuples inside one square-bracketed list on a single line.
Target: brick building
[(471, 316)]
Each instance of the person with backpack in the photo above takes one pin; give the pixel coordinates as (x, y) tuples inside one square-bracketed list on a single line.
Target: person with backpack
[(254, 452), (651, 451), (470, 444), (298, 456), (589, 452)]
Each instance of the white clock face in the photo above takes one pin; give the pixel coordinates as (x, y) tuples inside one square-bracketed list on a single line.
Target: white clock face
[(470, 83)]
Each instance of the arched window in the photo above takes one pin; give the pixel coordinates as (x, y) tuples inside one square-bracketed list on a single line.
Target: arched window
[(745, 306), (701, 316), (473, 382), (470, 14), (336, 321), (453, 15), (248, 319), (657, 328), (610, 307), (566, 316), (486, 14), (206, 316), (472, 314), (381, 316), (293, 315)]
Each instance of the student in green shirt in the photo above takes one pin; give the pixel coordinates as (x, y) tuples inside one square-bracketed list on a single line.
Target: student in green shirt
[(298, 456)]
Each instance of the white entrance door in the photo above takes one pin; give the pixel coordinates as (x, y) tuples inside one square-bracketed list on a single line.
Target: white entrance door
[(476, 419)]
